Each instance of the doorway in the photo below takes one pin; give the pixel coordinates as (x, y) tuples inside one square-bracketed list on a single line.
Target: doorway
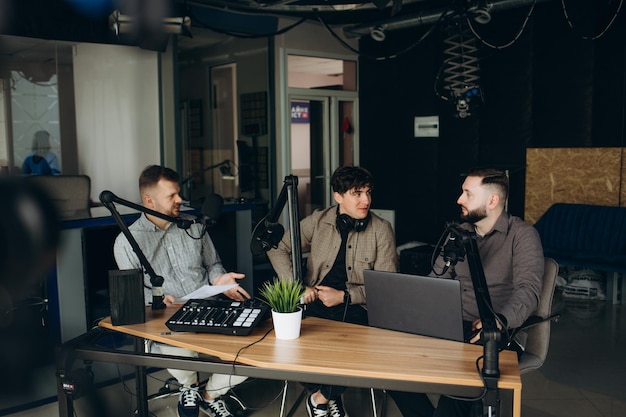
[(322, 135)]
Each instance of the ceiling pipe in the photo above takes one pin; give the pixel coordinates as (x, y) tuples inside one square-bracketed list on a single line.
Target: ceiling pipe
[(424, 18)]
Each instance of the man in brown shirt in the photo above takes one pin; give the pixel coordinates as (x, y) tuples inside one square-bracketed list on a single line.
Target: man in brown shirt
[(512, 258)]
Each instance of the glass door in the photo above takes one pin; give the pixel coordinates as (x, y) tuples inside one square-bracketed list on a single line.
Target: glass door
[(322, 139)]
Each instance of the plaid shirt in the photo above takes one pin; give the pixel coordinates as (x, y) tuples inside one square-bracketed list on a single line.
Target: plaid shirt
[(185, 261)]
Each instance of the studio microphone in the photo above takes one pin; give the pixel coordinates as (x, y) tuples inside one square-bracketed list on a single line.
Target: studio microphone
[(453, 252), (211, 209)]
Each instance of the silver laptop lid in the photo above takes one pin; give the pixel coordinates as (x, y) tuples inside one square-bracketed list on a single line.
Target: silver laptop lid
[(414, 304)]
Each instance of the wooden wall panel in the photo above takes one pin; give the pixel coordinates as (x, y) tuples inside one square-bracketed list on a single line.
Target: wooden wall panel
[(572, 175)]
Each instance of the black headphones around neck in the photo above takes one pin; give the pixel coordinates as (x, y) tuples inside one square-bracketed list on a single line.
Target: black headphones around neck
[(345, 223)]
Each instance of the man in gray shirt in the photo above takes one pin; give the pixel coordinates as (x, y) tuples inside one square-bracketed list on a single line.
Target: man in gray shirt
[(512, 258), (187, 260)]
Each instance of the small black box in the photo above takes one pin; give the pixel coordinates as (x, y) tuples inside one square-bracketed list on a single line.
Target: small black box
[(126, 294), (417, 260)]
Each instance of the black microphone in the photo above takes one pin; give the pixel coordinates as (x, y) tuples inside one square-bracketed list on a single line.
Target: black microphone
[(453, 251), (266, 236), (212, 208)]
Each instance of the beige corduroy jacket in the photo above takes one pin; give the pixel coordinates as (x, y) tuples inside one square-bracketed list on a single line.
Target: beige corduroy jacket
[(372, 248)]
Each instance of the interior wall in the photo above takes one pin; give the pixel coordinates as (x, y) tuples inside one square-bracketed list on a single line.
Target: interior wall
[(550, 89), (573, 175), (117, 116)]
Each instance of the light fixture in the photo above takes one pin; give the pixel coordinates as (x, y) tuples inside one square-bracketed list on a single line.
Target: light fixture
[(126, 24), (378, 33), (480, 12)]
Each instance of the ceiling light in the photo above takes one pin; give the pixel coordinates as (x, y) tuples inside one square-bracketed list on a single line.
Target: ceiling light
[(378, 33)]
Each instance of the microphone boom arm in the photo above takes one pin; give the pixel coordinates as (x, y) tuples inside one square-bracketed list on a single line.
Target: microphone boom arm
[(269, 232), (490, 334), (108, 198)]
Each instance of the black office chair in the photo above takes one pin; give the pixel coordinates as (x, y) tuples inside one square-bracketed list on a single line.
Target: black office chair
[(70, 193)]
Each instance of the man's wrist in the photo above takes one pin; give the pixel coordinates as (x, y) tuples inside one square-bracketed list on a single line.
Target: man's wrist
[(346, 296)]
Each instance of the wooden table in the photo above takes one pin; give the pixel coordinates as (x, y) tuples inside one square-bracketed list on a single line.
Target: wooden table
[(328, 352)]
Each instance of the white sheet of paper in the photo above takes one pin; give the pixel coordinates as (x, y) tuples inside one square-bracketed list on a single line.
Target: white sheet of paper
[(205, 291)]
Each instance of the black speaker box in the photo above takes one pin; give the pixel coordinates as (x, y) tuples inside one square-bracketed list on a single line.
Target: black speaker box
[(126, 294)]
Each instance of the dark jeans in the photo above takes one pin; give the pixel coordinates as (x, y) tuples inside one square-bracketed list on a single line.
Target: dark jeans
[(413, 404), (355, 314)]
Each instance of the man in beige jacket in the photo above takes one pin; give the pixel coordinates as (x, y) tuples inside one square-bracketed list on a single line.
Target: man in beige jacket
[(342, 241)]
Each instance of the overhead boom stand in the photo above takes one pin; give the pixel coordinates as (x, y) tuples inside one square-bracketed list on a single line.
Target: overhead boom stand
[(490, 335), (268, 232)]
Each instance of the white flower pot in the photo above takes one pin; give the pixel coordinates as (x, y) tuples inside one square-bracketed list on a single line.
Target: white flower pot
[(287, 325)]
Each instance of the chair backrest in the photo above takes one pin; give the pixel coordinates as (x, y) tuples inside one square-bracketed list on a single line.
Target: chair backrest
[(538, 339), (70, 193)]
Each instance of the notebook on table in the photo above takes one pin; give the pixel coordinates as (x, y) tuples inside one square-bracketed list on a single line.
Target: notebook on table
[(414, 304)]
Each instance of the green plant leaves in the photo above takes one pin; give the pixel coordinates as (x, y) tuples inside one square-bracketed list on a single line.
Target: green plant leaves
[(282, 295)]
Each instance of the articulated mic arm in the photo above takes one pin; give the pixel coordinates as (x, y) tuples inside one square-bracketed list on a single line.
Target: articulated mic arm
[(490, 335), (268, 232), (108, 198)]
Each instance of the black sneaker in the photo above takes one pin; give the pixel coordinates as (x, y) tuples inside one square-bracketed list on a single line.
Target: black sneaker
[(215, 408), (335, 408), (234, 404), (321, 410), (188, 401)]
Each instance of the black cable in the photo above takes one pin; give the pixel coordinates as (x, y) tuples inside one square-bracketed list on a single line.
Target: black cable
[(436, 252), (482, 378), (385, 57), (204, 25), (511, 42), (599, 35)]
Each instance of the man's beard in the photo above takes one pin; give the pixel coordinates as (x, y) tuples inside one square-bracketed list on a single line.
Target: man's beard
[(474, 216)]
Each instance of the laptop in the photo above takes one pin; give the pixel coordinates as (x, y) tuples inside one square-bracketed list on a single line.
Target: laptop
[(414, 304)]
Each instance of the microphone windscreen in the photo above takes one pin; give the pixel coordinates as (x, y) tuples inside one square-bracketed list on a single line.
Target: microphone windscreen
[(212, 206)]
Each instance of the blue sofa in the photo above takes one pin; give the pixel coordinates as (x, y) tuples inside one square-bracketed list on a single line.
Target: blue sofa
[(589, 236)]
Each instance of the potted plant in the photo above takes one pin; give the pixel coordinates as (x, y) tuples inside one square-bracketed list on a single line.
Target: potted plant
[(284, 297)]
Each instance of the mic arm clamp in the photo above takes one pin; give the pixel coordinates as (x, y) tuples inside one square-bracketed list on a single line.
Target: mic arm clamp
[(490, 335), (108, 198)]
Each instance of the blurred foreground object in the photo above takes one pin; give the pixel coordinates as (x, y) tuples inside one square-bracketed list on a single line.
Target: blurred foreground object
[(29, 234)]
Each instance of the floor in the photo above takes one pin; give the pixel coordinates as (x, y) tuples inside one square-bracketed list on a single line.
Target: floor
[(582, 377)]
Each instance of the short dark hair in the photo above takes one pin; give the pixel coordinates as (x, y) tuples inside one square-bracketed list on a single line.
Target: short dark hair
[(152, 174), (494, 178), (346, 178)]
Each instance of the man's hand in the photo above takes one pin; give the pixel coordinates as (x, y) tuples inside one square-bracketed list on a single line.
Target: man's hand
[(236, 293), (329, 296), (169, 300), (310, 295), (477, 329)]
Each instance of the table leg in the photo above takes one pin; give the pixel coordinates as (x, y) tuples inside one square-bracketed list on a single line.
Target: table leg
[(141, 385), (517, 403)]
